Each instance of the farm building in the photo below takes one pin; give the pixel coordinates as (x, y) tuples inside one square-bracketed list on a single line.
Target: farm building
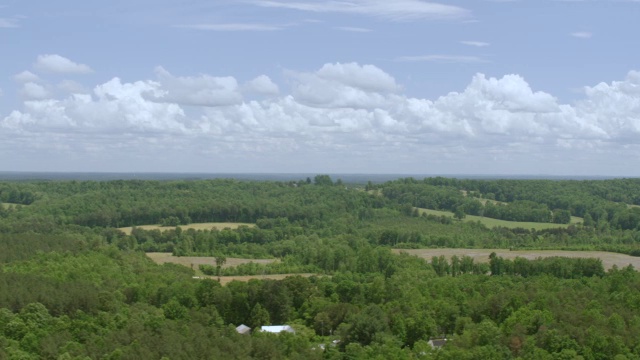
[(277, 329), (243, 329), (437, 343)]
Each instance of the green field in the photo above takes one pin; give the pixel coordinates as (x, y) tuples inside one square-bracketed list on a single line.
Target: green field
[(489, 222), (609, 259), (10, 205), (195, 226)]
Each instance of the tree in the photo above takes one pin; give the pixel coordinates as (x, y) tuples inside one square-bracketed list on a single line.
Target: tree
[(174, 310), (259, 317), (220, 261), (459, 213), (367, 324), (561, 216), (323, 180)]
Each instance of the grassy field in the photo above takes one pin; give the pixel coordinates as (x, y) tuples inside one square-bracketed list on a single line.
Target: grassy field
[(489, 222), (11, 205), (194, 261), (195, 226), (227, 279), (482, 255), (161, 258)]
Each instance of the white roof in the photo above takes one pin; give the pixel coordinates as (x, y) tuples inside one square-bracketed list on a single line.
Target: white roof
[(277, 329), (243, 329)]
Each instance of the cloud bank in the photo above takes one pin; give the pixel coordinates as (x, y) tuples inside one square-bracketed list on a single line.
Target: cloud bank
[(340, 117)]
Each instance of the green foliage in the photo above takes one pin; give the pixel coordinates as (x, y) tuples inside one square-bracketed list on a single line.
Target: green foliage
[(73, 286)]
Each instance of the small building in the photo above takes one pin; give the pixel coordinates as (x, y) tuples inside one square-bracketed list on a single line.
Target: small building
[(276, 329), (437, 343), (243, 329)]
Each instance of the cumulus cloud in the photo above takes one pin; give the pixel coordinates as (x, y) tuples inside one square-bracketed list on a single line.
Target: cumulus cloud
[(343, 85), (397, 10), (26, 76), (262, 85), (346, 112), (59, 64), (202, 90), (614, 107), (32, 91), (113, 107)]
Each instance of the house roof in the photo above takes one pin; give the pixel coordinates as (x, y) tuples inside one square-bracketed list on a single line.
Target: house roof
[(437, 343), (277, 329), (243, 329)]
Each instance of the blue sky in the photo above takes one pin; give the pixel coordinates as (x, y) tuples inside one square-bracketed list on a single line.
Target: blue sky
[(359, 86)]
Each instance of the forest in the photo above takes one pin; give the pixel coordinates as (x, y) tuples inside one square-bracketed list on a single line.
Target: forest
[(75, 285)]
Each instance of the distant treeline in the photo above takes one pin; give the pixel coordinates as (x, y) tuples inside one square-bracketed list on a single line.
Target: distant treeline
[(605, 203)]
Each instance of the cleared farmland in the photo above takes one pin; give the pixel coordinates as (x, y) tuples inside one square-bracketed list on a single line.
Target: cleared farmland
[(195, 226), (188, 261), (482, 255), (489, 222), (162, 258), (227, 279), (11, 205)]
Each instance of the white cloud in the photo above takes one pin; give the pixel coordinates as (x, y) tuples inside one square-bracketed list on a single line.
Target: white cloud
[(353, 29), (233, 27), (397, 10), (203, 90), (582, 34), (114, 108), (475, 43), (614, 107), (367, 77), (59, 64), (442, 58), (32, 91), (343, 85), (26, 76), (262, 85), (340, 113)]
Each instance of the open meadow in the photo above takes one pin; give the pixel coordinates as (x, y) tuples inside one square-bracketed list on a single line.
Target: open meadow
[(162, 258), (224, 280), (195, 226), (609, 259), (490, 223), (195, 261), (10, 205)]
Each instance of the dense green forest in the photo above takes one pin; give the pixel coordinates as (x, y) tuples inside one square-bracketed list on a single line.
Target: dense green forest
[(75, 286)]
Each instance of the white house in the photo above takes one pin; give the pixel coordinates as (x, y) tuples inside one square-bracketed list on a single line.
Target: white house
[(276, 329)]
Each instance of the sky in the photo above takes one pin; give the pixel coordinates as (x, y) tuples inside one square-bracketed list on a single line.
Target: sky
[(528, 87)]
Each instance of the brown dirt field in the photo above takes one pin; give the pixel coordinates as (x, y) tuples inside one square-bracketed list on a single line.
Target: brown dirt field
[(161, 258), (482, 255), (195, 226)]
